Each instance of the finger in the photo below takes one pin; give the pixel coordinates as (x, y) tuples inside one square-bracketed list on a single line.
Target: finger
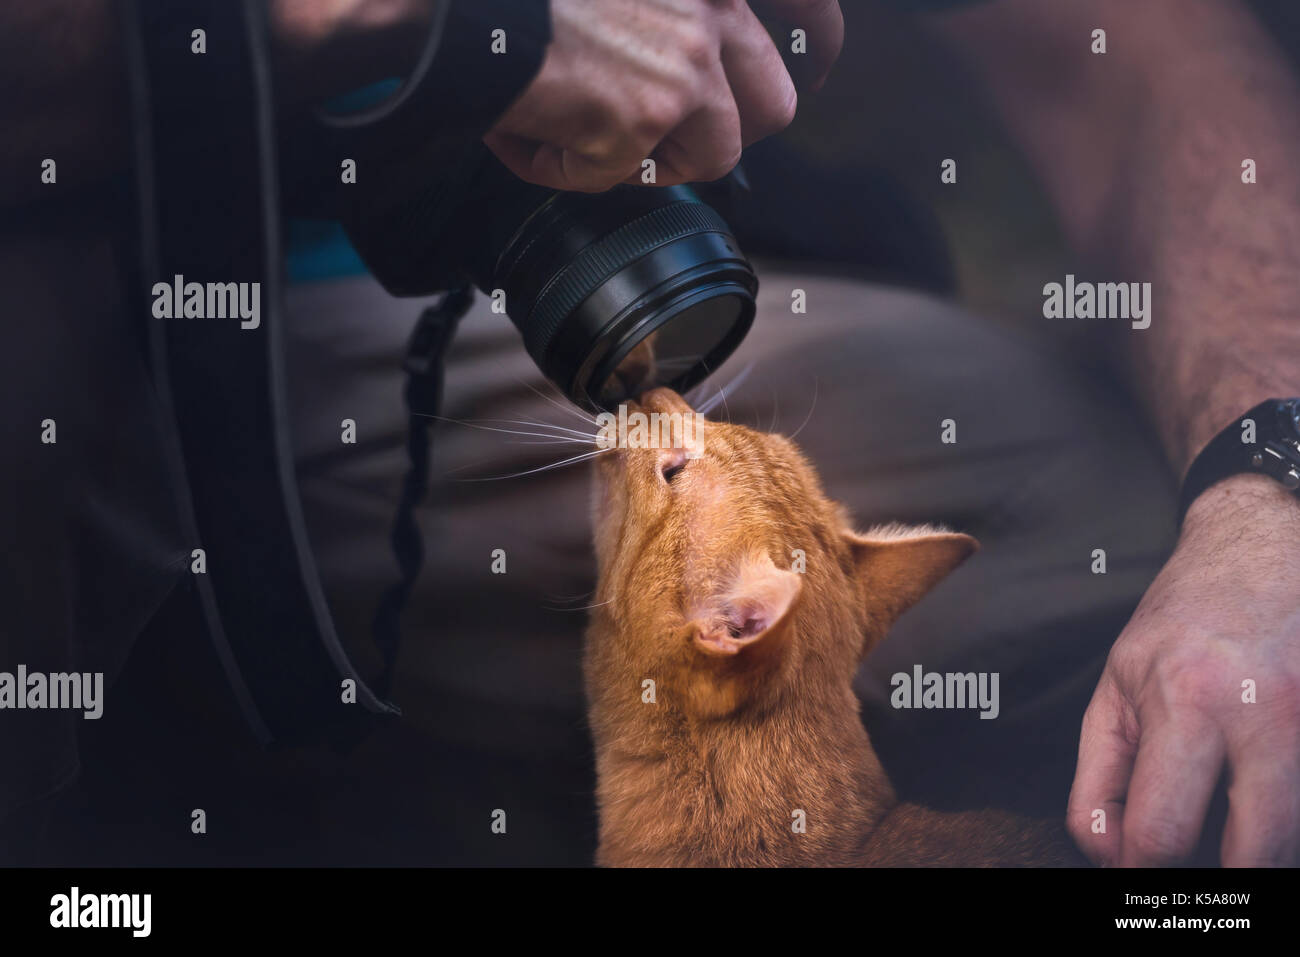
[(1107, 749), (555, 167), (764, 93), (705, 146), (1263, 828), (823, 23), (1177, 767)]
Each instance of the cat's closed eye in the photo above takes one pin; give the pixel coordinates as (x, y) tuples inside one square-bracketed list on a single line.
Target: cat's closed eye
[(671, 469)]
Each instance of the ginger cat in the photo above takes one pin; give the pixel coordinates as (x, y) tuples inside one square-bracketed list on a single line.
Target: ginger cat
[(754, 716)]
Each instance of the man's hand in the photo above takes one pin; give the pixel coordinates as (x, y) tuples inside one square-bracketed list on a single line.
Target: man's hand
[(686, 83), (1206, 677)]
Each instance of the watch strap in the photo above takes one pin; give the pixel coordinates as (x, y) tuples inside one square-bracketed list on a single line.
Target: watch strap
[(1265, 440)]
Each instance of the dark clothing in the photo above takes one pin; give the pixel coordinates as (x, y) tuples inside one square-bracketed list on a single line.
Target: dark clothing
[(94, 539)]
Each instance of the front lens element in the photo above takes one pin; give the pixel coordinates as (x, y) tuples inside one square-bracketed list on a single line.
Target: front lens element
[(618, 292), (680, 352)]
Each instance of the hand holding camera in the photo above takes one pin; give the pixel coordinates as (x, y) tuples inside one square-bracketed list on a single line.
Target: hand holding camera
[(687, 83)]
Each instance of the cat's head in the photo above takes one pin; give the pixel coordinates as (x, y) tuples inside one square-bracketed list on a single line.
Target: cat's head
[(727, 574)]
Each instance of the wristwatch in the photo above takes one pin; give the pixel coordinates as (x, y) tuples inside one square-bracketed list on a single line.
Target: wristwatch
[(1266, 440)]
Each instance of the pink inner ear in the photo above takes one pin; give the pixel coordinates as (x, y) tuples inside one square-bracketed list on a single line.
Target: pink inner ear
[(747, 618), (760, 594), (719, 641), (761, 591)]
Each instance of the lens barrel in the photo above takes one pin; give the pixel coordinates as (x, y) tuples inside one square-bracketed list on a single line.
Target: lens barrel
[(589, 278)]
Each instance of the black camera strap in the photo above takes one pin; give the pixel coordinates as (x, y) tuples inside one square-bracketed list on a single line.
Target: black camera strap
[(206, 144), (209, 213), (423, 394)]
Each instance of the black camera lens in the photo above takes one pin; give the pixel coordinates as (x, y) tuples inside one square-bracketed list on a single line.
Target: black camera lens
[(614, 293), (618, 292)]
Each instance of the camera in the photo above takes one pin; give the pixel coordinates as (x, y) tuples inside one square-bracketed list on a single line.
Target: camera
[(613, 293)]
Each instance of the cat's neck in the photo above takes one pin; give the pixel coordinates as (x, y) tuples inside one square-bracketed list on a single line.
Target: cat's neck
[(796, 784)]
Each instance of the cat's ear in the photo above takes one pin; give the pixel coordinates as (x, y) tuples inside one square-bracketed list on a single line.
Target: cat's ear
[(744, 638), (896, 565)]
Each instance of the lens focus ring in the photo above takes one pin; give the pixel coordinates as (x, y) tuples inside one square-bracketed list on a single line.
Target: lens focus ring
[(603, 258)]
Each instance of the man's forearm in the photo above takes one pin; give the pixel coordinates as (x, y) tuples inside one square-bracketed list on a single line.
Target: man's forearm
[(1141, 148)]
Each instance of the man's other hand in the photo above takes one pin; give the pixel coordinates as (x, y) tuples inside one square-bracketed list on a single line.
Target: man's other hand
[(1205, 679)]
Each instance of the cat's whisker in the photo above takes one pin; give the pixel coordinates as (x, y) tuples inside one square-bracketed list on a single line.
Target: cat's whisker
[(693, 393), (581, 596), (570, 409), (807, 418), (721, 397), (558, 440), (544, 425), (584, 607), (468, 466), (545, 468), (710, 404), (487, 428)]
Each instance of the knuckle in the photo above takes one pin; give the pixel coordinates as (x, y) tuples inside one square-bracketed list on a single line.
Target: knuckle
[(599, 149), (1127, 661), (658, 114), (697, 47), (1190, 682)]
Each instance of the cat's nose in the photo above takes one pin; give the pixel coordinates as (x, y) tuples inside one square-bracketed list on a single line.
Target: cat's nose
[(663, 399)]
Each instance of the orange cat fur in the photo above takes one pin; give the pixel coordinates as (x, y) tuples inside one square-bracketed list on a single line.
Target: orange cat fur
[(751, 717)]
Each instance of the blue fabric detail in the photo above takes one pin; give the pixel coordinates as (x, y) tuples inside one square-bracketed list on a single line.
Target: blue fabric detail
[(354, 101), (319, 249)]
